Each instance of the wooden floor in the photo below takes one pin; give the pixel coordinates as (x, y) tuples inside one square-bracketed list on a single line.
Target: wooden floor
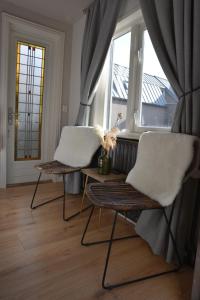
[(41, 256)]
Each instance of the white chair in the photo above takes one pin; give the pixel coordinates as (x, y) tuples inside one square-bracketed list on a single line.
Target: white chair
[(75, 151), (164, 162)]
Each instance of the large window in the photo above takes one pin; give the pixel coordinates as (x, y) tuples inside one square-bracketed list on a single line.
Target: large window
[(140, 95)]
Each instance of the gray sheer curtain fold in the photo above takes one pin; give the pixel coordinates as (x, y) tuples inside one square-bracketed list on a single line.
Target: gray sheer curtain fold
[(173, 26), (101, 21)]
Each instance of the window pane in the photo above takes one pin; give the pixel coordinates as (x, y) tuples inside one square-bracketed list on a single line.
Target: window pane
[(24, 49), (38, 72), (22, 78), (37, 80), (23, 59), (121, 58), (23, 69), (36, 90), (158, 100), (38, 52), (38, 62)]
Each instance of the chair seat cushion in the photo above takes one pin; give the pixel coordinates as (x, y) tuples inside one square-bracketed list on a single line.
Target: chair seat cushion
[(55, 167), (119, 196)]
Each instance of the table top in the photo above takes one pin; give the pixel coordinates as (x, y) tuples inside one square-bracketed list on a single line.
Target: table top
[(112, 176)]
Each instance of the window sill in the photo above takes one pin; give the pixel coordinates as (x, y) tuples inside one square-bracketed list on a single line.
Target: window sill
[(146, 128), (135, 135), (129, 135)]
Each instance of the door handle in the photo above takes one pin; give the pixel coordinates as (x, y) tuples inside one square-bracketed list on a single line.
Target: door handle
[(11, 114)]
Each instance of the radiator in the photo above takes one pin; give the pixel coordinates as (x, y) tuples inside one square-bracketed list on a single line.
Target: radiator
[(123, 159), (123, 156)]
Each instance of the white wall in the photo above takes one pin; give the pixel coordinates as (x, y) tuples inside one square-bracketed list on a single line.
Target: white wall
[(78, 30), (64, 27)]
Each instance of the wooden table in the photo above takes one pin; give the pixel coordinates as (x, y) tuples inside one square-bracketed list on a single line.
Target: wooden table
[(93, 173)]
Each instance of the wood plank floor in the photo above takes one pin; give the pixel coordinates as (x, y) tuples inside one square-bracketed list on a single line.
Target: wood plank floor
[(41, 256)]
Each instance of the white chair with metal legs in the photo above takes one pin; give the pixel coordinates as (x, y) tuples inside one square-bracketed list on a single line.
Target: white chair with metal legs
[(164, 162), (75, 151)]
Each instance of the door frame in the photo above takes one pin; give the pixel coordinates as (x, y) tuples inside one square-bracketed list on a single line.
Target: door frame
[(55, 40)]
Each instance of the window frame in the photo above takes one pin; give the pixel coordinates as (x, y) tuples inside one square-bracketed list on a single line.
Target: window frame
[(137, 86), (134, 24)]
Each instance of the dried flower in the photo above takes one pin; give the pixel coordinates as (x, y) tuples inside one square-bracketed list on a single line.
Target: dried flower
[(108, 140)]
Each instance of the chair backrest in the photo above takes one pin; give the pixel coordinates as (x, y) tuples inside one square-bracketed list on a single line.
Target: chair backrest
[(77, 146), (162, 162)]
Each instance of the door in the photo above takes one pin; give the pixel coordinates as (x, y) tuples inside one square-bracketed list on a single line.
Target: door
[(31, 76), (26, 109)]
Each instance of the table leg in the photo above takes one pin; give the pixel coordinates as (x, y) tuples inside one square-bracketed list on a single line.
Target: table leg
[(83, 197)]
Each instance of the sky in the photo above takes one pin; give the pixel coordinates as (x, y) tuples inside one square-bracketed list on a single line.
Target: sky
[(121, 55)]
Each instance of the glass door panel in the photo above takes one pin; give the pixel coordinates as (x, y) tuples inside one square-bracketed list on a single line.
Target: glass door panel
[(29, 101)]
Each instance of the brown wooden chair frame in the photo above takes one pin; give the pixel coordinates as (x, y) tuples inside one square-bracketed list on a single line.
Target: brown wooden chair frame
[(112, 239)]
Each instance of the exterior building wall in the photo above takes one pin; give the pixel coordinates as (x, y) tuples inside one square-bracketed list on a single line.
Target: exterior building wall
[(171, 107), (153, 115)]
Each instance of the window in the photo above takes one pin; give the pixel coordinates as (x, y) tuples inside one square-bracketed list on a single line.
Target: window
[(140, 95), (29, 101), (158, 101), (120, 80)]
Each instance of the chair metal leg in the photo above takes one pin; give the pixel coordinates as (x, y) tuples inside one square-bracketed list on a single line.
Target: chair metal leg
[(109, 250), (51, 200), (64, 205), (34, 194), (35, 191), (102, 241), (172, 238), (106, 286), (64, 197), (86, 227)]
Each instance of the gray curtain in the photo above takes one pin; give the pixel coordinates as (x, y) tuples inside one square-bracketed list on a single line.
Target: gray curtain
[(101, 20), (173, 26)]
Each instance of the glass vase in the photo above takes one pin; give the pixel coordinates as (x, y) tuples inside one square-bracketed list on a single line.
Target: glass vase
[(104, 163)]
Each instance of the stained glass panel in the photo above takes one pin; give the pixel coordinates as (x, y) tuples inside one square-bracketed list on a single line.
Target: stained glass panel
[(29, 101)]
